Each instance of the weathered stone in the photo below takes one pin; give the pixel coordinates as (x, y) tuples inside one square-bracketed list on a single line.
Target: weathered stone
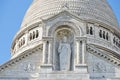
[(65, 40)]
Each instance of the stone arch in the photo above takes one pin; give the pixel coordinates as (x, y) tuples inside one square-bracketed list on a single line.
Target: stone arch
[(73, 31), (77, 29)]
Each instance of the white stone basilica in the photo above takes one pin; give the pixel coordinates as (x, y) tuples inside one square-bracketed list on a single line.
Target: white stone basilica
[(65, 40)]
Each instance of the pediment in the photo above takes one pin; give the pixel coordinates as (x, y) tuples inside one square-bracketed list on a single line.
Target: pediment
[(109, 51), (19, 59), (106, 56), (64, 15)]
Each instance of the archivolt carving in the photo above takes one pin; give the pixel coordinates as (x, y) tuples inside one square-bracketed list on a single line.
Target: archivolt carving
[(71, 25), (65, 32)]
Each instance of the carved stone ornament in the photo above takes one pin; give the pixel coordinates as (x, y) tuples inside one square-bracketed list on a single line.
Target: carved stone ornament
[(29, 67), (65, 6), (66, 33), (99, 67)]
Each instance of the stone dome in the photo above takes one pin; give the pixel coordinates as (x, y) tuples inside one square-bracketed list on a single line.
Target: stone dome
[(97, 10), (66, 40)]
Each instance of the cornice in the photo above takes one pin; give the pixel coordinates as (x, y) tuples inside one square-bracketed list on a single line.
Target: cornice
[(66, 13), (62, 13), (20, 57), (104, 56), (111, 52)]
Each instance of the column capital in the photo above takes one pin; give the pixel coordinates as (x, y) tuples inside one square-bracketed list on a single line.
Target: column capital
[(81, 38), (47, 38)]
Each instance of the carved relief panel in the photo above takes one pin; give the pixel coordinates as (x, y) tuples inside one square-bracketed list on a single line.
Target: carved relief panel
[(99, 67), (28, 67)]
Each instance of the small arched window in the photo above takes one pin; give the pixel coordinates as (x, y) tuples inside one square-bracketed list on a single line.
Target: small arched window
[(30, 36), (33, 35), (117, 42), (91, 31), (114, 40), (104, 34), (88, 30), (100, 33), (37, 33), (19, 44), (23, 41)]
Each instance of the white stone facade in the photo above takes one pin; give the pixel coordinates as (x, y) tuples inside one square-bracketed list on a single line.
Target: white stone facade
[(94, 43)]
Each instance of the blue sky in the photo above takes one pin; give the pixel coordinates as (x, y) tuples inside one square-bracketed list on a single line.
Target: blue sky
[(11, 16)]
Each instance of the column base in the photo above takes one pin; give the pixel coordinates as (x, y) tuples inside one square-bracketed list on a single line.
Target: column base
[(46, 73), (83, 68), (46, 68)]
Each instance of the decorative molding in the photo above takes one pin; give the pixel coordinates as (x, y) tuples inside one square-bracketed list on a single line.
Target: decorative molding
[(105, 44), (65, 6), (47, 38), (28, 67), (18, 78), (107, 57), (81, 38), (20, 57), (99, 67), (69, 25)]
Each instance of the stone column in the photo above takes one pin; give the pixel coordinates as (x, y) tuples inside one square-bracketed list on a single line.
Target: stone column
[(50, 52), (26, 37), (47, 52), (17, 47), (77, 51), (83, 52), (80, 50), (80, 54), (81, 66), (44, 51)]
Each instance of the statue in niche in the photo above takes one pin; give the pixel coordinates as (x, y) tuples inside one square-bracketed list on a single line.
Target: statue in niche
[(64, 51)]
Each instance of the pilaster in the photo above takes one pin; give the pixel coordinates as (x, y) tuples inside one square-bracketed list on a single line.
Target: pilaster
[(81, 55), (47, 54)]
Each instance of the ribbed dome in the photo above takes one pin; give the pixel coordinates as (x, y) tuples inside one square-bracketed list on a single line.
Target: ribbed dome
[(95, 10)]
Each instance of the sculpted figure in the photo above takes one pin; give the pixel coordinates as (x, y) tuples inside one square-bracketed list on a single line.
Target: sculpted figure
[(29, 67), (64, 51)]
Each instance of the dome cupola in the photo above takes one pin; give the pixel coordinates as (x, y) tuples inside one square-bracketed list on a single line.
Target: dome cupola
[(89, 11), (97, 10)]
